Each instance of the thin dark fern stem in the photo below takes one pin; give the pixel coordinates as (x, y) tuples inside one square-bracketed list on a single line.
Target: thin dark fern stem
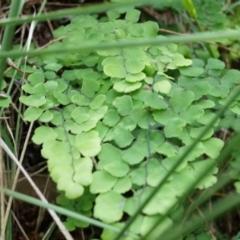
[(67, 133), (147, 159)]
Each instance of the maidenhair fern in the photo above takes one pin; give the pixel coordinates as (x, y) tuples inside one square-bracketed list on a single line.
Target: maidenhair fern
[(114, 121)]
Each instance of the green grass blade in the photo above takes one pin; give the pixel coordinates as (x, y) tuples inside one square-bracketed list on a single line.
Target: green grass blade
[(61, 210), (15, 9), (197, 37), (96, 8)]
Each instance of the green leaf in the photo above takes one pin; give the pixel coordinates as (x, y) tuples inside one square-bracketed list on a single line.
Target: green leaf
[(36, 77), (237, 186), (52, 148), (28, 88), (136, 30), (67, 111), (201, 88), (180, 61), (80, 114), (82, 224), (167, 149), (132, 15), (122, 137), (33, 100), (61, 133), (43, 134), (134, 66), (163, 116), (97, 101), (113, 14), (39, 89), (213, 63), (59, 161), (106, 27), (194, 154), (163, 86), (134, 53), (213, 147), (118, 60), (83, 171), (206, 104), (138, 176), (80, 100), (115, 71), (194, 171), (151, 29), (131, 205), (61, 98), (207, 117), (156, 138), (51, 86), (117, 169), (109, 234), (72, 189), (235, 108), (89, 87), (181, 99), (123, 104), (126, 87), (102, 182), (111, 118), (127, 123), (153, 100), (5, 101), (135, 77), (146, 121), (159, 204), (108, 154), (53, 66), (32, 114), (50, 75), (174, 127), (231, 78), (220, 91), (156, 176), (191, 71), (136, 153), (123, 185), (3, 85), (111, 203), (195, 132), (98, 113), (102, 130), (88, 143), (192, 113)]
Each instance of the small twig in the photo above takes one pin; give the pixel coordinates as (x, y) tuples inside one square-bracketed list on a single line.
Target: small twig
[(11, 65), (52, 41), (33, 174)]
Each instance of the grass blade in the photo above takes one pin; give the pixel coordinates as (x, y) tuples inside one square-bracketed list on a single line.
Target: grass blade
[(197, 37)]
